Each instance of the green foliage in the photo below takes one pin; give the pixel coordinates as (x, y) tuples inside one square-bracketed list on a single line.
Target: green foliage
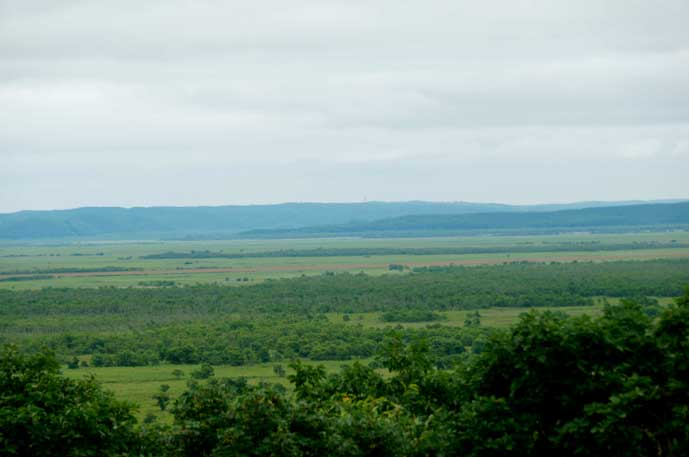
[(473, 320), (227, 340), (45, 414), (230, 418), (41, 272), (435, 288), (27, 277), (279, 370), (412, 315), (162, 397), (583, 246), (613, 396), (307, 380), (552, 385), (73, 364), (205, 371), (619, 384), (283, 319), (158, 283)]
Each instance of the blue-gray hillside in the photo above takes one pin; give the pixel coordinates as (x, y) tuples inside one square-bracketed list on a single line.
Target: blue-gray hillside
[(651, 216), (224, 221), (157, 222)]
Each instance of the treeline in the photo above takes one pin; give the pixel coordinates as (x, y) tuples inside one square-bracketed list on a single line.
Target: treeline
[(383, 251), (436, 288), (412, 315), (552, 385), (232, 341), (25, 278), (41, 271)]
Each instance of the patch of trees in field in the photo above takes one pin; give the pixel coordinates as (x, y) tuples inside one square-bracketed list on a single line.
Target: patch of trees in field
[(232, 341), (25, 278), (412, 315), (552, 385), (383, 251), (60, 270), (436, 288)]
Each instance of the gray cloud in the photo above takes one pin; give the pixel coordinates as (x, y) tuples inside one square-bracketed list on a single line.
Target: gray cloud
[(211, 102)]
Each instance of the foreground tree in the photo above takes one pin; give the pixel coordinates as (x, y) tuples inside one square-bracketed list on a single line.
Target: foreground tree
[(615, 386), (45, 414)]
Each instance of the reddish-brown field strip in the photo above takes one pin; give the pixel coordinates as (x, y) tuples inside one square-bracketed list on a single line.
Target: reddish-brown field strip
[(354, 266)]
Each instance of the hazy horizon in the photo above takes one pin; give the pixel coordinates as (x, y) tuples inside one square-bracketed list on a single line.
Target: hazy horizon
[(175, 103), (545, 203)]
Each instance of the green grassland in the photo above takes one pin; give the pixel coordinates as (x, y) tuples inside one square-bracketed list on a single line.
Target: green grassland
[(42, 259), (490, 317), (139, 384), (495, 317)]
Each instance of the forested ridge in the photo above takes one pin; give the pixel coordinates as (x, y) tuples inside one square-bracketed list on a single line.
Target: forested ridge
[(552, 385), (656, 216), (208, 222)]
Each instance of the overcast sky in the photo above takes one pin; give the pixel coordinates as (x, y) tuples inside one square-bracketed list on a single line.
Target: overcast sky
[(171, 102)]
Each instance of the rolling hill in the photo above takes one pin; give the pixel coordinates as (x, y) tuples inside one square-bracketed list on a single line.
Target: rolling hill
[(291, 219), (648, 216)]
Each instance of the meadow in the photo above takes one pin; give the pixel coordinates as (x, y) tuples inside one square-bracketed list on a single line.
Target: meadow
[(138, 384), (31, 266)]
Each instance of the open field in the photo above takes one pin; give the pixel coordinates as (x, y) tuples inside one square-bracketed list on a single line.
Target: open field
[(138, 384), (77, 265), (490, 317)]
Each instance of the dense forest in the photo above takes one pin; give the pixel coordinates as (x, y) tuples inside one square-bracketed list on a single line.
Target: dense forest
[(651, 216), (551, 385), (247, 340), (282, 319)]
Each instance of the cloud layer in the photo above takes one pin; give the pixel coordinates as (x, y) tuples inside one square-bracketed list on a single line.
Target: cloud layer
[(212, 102)]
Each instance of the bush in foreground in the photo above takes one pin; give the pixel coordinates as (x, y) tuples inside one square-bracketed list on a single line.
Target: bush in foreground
[(45, 414)]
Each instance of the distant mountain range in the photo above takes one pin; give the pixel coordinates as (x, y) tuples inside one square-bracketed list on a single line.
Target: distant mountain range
[(304, 219), (610, 218)]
